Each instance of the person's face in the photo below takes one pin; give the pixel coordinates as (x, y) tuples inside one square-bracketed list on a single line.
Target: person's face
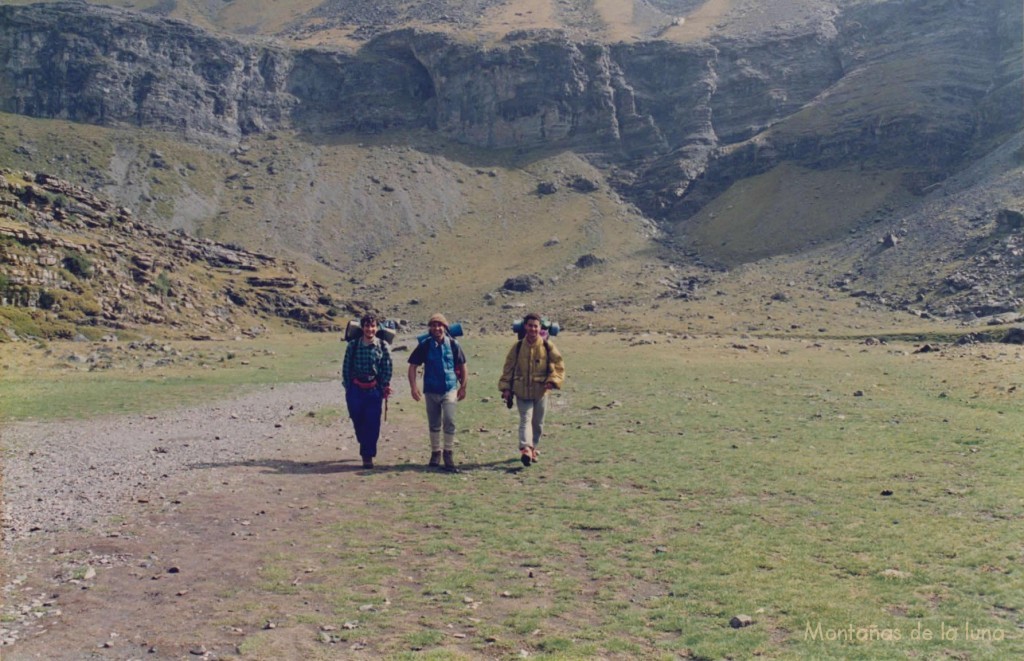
[(532, 327), (437, 330), (369, 330)]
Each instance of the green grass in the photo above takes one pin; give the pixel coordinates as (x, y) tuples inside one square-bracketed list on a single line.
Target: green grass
[(852, 500), (37, 383), (720, 483)]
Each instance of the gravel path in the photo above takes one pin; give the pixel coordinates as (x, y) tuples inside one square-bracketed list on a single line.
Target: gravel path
[(75, 475)]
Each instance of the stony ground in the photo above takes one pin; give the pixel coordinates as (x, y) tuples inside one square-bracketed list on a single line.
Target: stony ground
[(168, 512)]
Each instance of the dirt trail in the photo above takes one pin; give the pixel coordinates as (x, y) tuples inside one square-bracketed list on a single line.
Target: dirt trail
[(135, 537)]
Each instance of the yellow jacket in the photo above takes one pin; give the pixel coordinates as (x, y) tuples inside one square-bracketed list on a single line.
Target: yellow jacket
[(538, 364)]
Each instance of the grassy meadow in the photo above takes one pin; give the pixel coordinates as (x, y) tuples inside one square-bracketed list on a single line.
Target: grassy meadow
[(852, 500), (44, 381), (855, 501)]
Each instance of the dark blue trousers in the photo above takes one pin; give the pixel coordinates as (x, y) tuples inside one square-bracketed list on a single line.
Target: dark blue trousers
[(364, 407)]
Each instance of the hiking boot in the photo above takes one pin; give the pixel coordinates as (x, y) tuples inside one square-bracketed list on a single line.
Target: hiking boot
[(435, 459), (449, 462), (367, 462), (526, 456)]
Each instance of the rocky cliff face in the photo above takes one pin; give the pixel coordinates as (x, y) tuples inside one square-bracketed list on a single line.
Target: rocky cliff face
[(533, 91), (915, 85), (891, 85), (104, 66)]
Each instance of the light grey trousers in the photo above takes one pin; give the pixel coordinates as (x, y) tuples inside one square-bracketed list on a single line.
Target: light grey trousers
[(531, 421), (441, 416)]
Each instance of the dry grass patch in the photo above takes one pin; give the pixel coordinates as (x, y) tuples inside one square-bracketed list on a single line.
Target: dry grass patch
[(787, 209)]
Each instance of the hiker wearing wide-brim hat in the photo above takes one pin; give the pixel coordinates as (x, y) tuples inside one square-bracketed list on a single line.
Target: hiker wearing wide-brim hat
[(532, 367), (444, 384), (366, 376)]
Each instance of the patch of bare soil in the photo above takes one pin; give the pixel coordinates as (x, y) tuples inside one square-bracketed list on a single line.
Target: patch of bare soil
[(142, 536)]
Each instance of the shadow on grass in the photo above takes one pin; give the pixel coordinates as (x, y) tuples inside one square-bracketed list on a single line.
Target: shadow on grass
[(288, 467)]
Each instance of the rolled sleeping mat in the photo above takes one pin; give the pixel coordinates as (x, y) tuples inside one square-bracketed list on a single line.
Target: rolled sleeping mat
[(386, 334), (354, 330), (455, 330), (546, 328)]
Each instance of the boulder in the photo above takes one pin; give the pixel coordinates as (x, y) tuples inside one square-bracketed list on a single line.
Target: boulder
[(523, 283)]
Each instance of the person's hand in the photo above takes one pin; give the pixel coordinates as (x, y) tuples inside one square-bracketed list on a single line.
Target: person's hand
[(461, 394), (415, 392), (549, 386), (387, 391)]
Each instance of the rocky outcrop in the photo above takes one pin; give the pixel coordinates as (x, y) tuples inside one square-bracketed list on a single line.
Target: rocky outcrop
[(896, 85), (71, 260), (531, 91), (914, 85), (105, 66)]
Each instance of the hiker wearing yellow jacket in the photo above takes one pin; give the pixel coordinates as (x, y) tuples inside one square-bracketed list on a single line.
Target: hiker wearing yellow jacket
[(533, 366)]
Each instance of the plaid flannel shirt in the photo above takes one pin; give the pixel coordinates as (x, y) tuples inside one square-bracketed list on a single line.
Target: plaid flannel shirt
[(367, 361)]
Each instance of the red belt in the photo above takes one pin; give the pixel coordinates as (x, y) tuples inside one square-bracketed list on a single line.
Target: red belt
[(364, 385)]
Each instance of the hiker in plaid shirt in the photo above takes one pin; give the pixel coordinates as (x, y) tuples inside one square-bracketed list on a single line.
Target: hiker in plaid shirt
[(366, 377)]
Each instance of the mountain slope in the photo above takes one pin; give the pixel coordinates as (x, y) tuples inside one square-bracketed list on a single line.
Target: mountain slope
[(874, 85), (349, 24), (788, 132), (71, 262)]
